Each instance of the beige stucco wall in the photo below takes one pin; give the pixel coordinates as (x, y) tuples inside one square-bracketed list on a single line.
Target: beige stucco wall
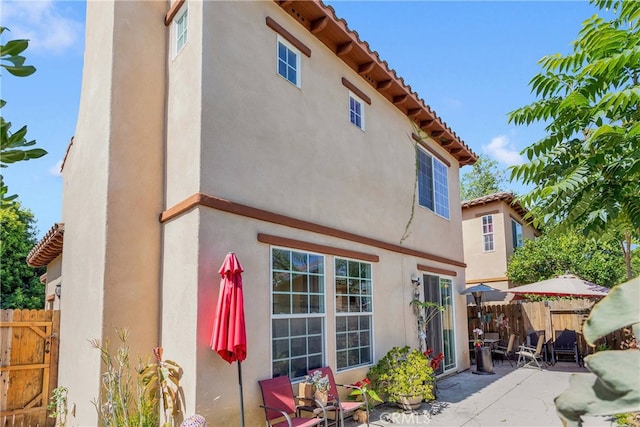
[(262, 142), (113, 195), (54, 278), (155, 128), (490, 266)]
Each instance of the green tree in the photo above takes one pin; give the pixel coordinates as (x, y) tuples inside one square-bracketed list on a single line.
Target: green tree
[(13, 144), (20, 284), (599, 261), (484, 178), (585, 171)]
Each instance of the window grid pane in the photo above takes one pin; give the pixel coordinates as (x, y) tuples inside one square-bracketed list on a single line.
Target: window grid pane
[(487, 233), (441, 189), (287, 63), (353, 288), (181, 31), (355, 112), (297, 312)]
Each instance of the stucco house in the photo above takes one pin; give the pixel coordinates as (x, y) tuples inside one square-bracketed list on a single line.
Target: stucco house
[(493, 226), (268, 129)]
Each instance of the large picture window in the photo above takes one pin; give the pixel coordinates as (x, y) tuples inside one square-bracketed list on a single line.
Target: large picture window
[(433, 184), (354, 313), (298, 312)]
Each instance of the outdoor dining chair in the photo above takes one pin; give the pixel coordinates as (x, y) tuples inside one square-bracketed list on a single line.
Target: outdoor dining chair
[(280, 406), (342, 408), (566, 344), (529, 356), (506, 351)]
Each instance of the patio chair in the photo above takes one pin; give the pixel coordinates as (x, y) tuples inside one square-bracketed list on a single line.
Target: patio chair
[(342, 408), (528, 355), (566, 344), (280, 405), (506, 351)]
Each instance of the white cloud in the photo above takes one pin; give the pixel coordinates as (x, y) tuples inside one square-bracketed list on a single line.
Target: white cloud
[(501, 149), (46, 23), (55, 169)]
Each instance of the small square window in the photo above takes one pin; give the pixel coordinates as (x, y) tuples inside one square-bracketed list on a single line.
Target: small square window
[(288, 62), (356, 111), (180, 25)]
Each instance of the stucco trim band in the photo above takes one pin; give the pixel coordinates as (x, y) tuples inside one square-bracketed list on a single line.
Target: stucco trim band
[(429, 269), (488, 280), (288, 36), (223, 205), (175, 7), (314, 247), (353, 88)]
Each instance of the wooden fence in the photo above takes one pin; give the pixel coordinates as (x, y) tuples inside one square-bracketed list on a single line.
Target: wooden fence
[(28, 366), (524, 318)]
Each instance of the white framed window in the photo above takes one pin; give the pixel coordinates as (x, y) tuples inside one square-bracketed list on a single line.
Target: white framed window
[(354, 313), (487, 233), (297, 312), (356, 111), (288, 64), (433, 184), (180, 28), (516, 232)]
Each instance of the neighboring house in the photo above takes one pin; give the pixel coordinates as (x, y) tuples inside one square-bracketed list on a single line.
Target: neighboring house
[(271, 130), (48, 253), (493, 226)]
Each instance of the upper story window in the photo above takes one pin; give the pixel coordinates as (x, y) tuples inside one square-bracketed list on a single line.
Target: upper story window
[(180, 25), (433, 184), (516, 232), (487, 233), (288, 61), (356, 111)]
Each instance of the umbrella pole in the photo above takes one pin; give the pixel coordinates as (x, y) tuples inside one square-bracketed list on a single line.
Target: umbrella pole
[(241, 398)]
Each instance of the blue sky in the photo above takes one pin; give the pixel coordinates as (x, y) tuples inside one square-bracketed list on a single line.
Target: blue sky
[(471, 61)]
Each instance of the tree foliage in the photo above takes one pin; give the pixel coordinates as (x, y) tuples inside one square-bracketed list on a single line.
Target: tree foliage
[(484, 178), (586, 170), (14, 146), (21, 287), (599, 261)]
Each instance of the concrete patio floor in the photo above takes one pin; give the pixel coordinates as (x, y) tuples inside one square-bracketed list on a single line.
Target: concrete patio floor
[(510, 397)]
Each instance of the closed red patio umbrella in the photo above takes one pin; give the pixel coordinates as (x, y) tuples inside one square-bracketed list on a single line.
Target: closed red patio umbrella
[(229, 337)]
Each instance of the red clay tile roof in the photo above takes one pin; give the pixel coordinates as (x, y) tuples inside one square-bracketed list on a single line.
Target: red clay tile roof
[(321, 21), (503, 196), (48, 248)]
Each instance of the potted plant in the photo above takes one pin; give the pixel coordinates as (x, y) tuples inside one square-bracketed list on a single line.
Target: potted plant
[(405, 376)]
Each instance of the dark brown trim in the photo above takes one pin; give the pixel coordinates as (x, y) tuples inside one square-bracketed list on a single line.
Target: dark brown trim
[(288, 36), (223, 205), (313, 247), (478, 215), (346, 83), (519, 221), (51, 297), (487, 280), (424, 145), (175, 7), (436, 270)]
